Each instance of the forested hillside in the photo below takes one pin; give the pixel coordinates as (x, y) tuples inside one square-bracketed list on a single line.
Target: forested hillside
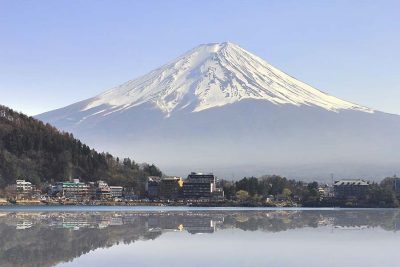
[(38, 152)]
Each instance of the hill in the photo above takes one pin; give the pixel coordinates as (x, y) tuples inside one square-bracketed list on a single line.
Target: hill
[(38, 152)]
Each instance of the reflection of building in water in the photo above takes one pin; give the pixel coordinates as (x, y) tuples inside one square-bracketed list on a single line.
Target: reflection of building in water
[(205, 222), (359, 227), (350, 220), (191, 223), (46, 232), (74, 223), (164, 223), (324, 221), (114, 221), (197, 225), (23, 225), (79, 221)]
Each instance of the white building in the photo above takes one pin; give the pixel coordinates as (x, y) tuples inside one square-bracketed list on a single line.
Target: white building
[(73, 189), (24, 186)]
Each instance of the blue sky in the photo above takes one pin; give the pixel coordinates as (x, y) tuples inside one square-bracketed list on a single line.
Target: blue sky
[(54, 53)]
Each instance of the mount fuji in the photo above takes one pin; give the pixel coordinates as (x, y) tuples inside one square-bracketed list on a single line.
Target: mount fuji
[(220, 108)]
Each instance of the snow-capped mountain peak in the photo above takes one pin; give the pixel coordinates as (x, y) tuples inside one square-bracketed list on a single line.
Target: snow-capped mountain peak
[(214, 75), (220, 108)]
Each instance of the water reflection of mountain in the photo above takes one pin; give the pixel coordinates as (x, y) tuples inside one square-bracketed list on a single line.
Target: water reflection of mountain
[(48, 238)]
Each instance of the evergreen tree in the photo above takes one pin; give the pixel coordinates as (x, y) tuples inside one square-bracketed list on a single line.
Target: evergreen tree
[(38, 152)]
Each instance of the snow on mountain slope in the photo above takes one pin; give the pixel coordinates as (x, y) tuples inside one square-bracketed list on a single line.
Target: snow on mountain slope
[(215, 75), (220, 108)]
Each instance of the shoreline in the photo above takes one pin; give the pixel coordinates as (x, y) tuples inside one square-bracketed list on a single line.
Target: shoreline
[(190, 204), (154, 208)]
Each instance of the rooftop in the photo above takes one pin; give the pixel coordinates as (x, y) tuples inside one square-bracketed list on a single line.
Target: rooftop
[(351, 182)]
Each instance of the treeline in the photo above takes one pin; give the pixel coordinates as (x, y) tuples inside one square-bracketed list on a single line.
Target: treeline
[(39, 153), (255, 191)]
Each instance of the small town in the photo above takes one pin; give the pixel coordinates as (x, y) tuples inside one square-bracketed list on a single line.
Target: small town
[(197, 187), (200, 189)]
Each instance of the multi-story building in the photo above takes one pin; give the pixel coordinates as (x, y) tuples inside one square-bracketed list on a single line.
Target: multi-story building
[(103, 190), (347, 189), (218, 194), (129, 193), (92, 190), (22, 189), (199, 186), (170, 187), (23, 186), (74, 189), (325, 192), (152, 186), (116, 191)]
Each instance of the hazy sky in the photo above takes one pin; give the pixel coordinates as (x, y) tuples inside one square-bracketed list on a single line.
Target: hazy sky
[(54, 53)]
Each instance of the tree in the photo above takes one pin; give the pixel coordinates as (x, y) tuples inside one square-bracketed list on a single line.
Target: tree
[(229, 188), (39, 152), (242, 195), (276, 184), (287, 193), (311, 195), (248, 184), (127, 163), (313, 189), (389, 183), (152, 170), (381, 197)]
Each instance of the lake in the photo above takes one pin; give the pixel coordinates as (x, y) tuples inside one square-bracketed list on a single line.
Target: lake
[(181, 236)]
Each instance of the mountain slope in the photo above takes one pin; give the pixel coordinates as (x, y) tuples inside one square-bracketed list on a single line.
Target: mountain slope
[(213, 75), (39, 153), (219, 107)]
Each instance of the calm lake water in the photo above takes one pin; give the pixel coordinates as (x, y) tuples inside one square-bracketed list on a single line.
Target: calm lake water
[(149, 236)]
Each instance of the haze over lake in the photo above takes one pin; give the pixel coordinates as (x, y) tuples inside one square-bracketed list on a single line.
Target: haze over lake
[(149, 236)]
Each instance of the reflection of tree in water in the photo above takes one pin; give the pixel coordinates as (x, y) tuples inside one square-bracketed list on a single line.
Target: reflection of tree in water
[(51, 238), (286, 220), (44, 246), (278, 221)]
